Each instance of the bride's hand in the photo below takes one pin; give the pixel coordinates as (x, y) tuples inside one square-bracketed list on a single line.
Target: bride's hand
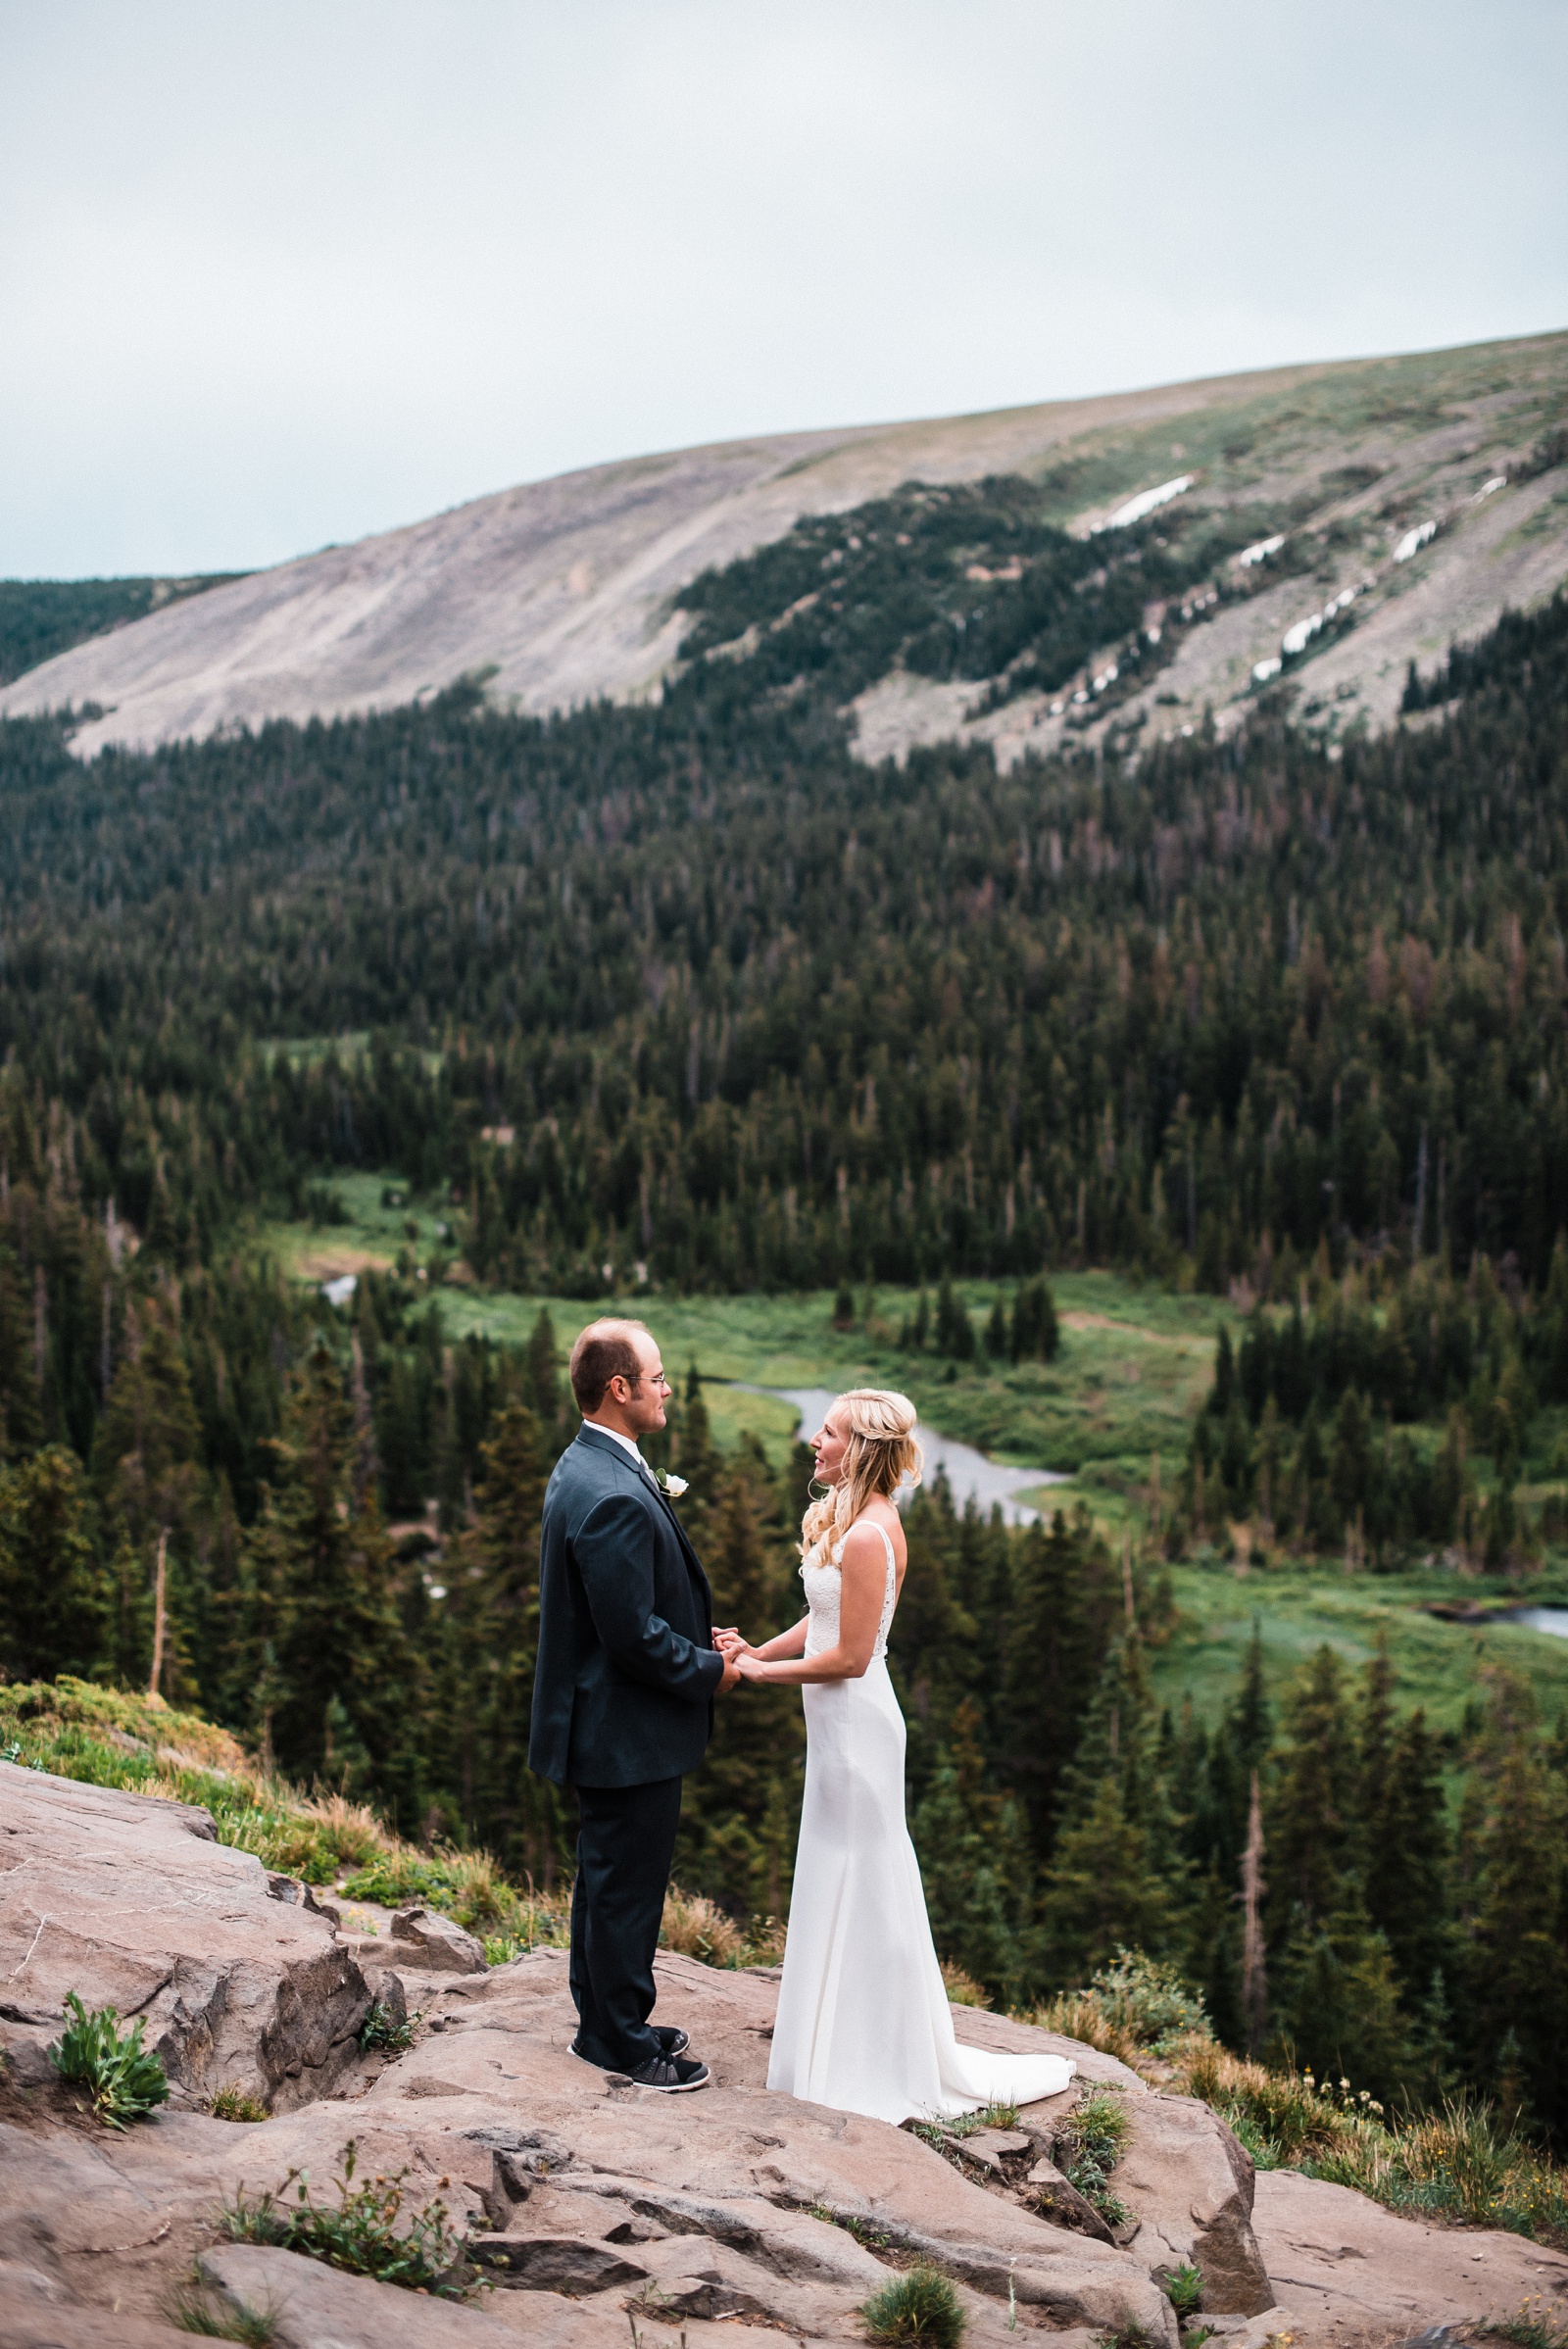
[(750, 1665), (730, 1643)]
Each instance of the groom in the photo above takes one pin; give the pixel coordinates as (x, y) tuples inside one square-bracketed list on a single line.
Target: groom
[(622, 1695)]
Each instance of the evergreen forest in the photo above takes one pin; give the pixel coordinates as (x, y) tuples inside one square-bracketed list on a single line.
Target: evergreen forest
[(683, 1000)]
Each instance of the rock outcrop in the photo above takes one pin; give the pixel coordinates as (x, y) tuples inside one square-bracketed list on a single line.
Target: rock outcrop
[(590, 2206), (1189, 2184), (237, 1975)]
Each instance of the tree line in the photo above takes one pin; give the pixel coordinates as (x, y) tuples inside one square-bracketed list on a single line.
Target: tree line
[(689, 989)]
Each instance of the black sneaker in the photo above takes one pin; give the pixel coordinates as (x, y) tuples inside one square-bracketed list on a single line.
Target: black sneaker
[(672, 2041), (671, 2074)]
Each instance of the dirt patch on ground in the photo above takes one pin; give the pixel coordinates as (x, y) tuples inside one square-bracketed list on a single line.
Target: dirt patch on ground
[(43, 2103), (332, 1263), (1122, 1329)]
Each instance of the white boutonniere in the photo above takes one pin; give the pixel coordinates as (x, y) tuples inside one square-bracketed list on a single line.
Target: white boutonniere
[(672, 1487)]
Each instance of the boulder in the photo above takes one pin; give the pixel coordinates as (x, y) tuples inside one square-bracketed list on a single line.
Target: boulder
[(989, 2148), (433, 1944), (1188, 2183), (553, 2264), (314, 2307), (131, 1902), (1345, 2269), (1059, 2199)]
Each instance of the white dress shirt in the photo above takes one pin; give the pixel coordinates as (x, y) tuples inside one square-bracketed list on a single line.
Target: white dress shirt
[(627, 1443)]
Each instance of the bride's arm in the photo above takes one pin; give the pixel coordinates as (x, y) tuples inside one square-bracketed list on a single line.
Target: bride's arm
[(863, 1568)]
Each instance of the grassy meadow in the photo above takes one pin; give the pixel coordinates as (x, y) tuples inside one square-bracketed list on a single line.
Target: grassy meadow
[(1133, 1365)]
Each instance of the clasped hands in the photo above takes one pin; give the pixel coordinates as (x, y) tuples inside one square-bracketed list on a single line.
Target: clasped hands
[(740, 1658)]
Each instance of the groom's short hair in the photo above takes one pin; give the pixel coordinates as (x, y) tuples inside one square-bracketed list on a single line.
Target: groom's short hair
[(602, 1353)]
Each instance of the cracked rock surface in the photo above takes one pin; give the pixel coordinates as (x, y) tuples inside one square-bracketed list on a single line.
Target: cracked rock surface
[(131, 1902), (592, 2208)]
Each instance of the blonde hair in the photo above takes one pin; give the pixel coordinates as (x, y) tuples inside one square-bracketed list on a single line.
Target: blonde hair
[(880, 1453)]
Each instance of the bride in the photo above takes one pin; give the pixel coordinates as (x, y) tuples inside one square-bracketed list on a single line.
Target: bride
[(863, 2022)]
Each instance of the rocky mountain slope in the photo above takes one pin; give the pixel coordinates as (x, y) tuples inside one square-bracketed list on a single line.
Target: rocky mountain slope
[(589, 2206), (564, 590)]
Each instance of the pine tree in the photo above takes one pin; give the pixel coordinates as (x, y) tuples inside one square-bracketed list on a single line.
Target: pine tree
[(1113, 1785), (20, 1419), (1406, 1864), (975, 1863), (494, 1596), (729, 1843), (1064, 1604), (52, 1607), (1103, 1891), (325, 1627), (1312, 1821), (1212, 1958), (1511, 1841), (147, 1471), (1337, 2005), (954, 1330)]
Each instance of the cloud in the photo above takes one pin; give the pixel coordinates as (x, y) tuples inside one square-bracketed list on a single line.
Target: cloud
[(282, 275)]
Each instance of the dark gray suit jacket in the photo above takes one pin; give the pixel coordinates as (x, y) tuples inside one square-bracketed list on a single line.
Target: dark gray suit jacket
[(624, 1687)]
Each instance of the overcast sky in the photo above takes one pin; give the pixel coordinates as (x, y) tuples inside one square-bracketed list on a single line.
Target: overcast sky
[(283, 272)]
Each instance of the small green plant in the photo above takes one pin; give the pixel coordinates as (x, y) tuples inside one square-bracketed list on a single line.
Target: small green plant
[(384, 2029), (190, 2307), (1089, 2147), (921, 2306), (1184, 2288), (236, 2104), (125, 2079), (996, 2116), (1531, 2327), (1132, 2007), (362, 2235), (944, 2133), (865, 2234)]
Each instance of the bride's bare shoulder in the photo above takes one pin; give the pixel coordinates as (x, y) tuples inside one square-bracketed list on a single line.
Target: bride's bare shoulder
[(877, 1518)]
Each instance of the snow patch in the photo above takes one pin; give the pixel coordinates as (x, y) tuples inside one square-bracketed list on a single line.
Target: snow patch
[(1145, 502)]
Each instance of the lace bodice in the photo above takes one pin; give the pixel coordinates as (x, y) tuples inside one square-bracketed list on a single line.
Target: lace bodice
[(824, 1577)]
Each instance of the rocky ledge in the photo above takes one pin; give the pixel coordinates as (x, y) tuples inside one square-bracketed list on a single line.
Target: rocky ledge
[(591, 2206)]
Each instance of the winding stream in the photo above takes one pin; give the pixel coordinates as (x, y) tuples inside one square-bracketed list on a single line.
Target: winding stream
[(1540, 1619), (969, 1473)]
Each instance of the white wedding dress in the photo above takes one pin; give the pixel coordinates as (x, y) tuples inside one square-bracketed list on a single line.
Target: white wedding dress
[(863, 2023)]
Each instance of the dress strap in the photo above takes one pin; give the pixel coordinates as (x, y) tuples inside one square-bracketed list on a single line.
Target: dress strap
[(890, 1595)]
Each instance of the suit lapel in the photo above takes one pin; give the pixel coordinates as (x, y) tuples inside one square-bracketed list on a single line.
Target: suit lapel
[(692, 1560), (644, 1475)]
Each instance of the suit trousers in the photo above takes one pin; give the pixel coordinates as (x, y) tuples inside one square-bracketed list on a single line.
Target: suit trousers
[(625, 1842)]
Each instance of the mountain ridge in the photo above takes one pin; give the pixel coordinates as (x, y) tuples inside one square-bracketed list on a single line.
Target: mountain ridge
[(561, 591)]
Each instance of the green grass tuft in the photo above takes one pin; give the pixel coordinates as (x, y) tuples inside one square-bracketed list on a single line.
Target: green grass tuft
[(383, 2029), (236, 2104), (125, 2079), (1088, 2147), (368, 2234), (920, 2307), (191, 2308)]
